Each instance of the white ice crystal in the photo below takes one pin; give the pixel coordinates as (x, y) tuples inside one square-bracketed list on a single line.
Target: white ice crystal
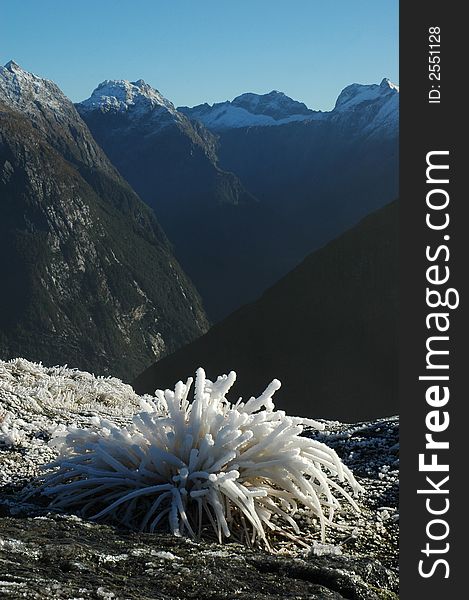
[(11, 434), (241, 468)]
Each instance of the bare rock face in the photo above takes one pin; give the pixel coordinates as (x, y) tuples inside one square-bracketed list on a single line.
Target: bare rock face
[(91, 277), (53, 557), (47, 555)]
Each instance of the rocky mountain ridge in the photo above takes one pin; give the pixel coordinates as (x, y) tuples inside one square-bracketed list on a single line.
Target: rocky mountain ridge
[(90, 275)]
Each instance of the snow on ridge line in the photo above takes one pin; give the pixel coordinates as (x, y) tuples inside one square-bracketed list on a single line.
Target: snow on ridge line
[(236, 113), (226, 116), (246, 110), (24, 90)]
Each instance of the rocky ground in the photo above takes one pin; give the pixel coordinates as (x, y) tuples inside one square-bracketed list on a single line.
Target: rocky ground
[(46, 555)]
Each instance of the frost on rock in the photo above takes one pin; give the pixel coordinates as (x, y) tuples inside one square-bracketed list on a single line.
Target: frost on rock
[(241, 470), (32, 388), (36, 401)]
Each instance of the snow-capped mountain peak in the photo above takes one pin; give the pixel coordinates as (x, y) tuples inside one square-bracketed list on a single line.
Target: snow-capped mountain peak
[(357, 93), (52, 113), (387, 83), (373, 108), (250, 110), (121, 96), (28, 92)]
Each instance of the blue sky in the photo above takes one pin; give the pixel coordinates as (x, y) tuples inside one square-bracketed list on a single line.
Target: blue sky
[(206, 50)]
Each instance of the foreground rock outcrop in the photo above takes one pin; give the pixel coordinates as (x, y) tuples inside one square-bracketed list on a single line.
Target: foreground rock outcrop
[(51, 555)]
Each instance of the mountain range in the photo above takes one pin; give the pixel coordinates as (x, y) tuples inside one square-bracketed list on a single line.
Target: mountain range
[(88, 274), (324, 170), (375, 105), (246, 189)]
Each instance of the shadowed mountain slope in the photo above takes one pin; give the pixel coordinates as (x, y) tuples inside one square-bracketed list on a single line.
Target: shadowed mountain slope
[(328, 331)]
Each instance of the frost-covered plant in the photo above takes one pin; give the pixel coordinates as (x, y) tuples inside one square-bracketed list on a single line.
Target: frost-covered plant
[(189, 465)]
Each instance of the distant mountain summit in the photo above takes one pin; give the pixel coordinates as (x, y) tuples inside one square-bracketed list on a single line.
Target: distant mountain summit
[(275, 108), (356, 94), (250, 110), (275, 104), (136, 99), (88, 275), (376, 106), (138, 109)]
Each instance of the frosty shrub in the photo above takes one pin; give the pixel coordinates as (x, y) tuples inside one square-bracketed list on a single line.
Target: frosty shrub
[(242, 469)]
